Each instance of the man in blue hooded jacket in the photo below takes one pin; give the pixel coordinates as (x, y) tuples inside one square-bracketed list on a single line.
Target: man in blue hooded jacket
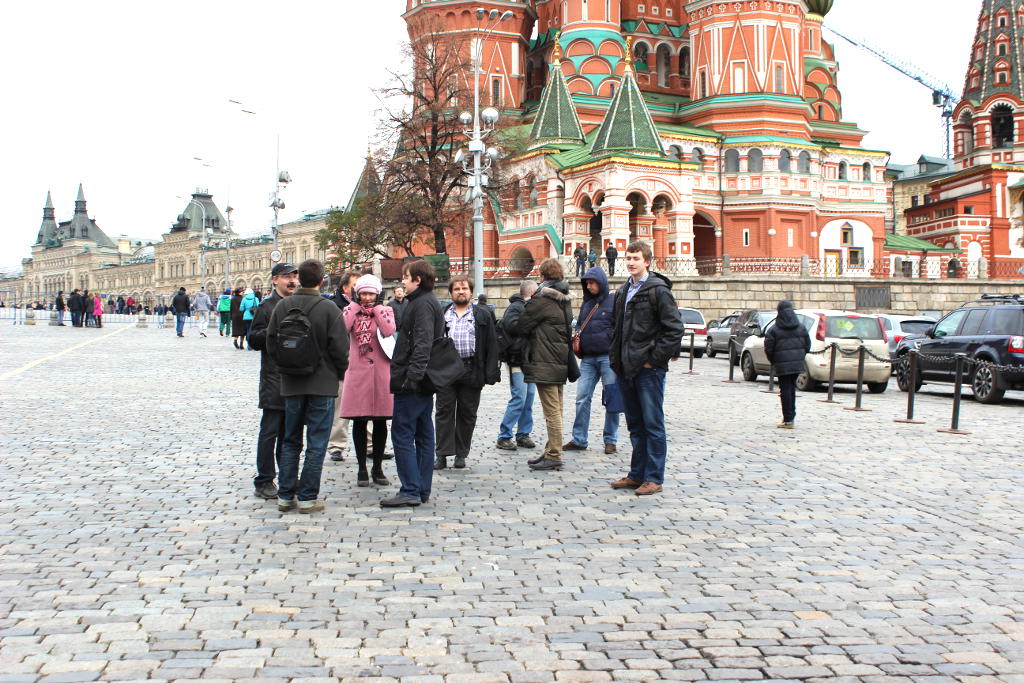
[(595, 327)]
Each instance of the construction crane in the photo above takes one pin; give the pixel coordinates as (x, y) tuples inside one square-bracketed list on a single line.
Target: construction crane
[(943, 96)]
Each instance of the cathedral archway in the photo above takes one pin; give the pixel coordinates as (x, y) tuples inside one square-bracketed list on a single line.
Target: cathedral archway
[(639, 204), (705, 244)]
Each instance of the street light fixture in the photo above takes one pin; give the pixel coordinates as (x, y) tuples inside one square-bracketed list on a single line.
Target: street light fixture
[(481, 161)]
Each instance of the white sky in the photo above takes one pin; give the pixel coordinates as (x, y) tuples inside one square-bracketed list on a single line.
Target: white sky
[(121, 96)]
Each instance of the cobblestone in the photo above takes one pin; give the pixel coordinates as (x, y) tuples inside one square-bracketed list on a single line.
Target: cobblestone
[(850, 549)]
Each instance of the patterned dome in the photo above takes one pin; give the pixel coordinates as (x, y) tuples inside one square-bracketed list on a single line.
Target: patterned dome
[(820, 7)]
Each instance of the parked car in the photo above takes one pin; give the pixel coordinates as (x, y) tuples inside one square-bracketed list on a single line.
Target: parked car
[(693, 321), (747, 323), (718, 335), (825, 327), (990, 329), (899, 326)]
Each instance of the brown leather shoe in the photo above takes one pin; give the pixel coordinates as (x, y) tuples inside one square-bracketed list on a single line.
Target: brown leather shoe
[(625, 483), (609, 448), (573, 446), (648, 488)]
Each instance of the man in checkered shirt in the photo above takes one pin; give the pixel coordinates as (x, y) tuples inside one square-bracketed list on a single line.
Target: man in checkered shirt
[(474, 332)]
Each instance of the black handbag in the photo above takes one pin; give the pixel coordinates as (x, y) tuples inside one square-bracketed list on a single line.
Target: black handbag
[(445, 366)]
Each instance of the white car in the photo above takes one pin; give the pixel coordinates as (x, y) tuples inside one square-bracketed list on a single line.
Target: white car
[(693, 321), (826, 327)]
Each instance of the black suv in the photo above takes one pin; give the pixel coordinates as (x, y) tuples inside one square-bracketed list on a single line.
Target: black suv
[(989, 329), (747, 323)]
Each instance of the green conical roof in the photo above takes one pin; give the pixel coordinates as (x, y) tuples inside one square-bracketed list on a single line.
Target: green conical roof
[(627, 127), (556, 118), (819, 7)]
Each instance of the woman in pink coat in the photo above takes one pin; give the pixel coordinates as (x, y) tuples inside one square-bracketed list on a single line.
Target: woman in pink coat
[(367, 393), (97, 310)]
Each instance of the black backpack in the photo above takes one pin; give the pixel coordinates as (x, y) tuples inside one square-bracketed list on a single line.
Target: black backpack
[(510, 348), (298, 353)]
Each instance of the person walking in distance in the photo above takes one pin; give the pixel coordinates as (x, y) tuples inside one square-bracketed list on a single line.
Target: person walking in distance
[(60, 306), (224, 312), (471, 327), (547, 321), (202, 304), (398, 303), (284, 279), (76, 307), (247, 308), (306, 336), (611, 253), (594, 333), (181, 305), (366, 394), (648, 330), (339, 429), (412, 429), (237, 323), (580, 254), (786, 345), (518, 419)]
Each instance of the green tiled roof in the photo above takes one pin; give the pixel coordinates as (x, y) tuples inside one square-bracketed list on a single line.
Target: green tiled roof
[(556, 118), (907, 243), (627, 127), (1011, 33)]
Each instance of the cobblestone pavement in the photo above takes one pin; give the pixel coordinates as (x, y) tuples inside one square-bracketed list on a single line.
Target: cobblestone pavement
[(852, 548)]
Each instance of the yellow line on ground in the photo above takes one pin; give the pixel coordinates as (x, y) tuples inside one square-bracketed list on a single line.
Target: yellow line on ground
[(29, 366)]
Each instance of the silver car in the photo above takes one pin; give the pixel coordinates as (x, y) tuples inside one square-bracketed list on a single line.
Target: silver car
[(719, 332), (899, 326)]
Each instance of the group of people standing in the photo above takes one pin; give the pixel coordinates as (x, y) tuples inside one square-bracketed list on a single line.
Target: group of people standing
[(358, 362), (86, 308), (585, 259)]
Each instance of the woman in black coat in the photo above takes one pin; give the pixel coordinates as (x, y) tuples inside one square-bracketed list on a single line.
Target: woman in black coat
[(786, 344), (237, 323)]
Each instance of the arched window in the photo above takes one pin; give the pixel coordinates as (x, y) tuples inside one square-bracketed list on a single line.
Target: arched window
[(640, 53), (844, 170), (785, 161), (703, 85), (732, 161), (967, 120), (755, 161), (697, 156), (684, 62), (866, 172), (664, 57), (675, 152), (1001, 49), (534, 196), (803, 163), (1002, 126), (821, 113)]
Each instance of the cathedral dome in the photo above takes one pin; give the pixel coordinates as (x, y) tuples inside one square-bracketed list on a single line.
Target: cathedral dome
[(820, 7)]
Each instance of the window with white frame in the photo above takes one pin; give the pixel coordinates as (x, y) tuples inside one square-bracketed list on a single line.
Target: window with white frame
[(746, 237)]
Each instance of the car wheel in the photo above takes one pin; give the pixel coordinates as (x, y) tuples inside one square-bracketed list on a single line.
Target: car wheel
[(805, 383), (984, 385), (878, 387), (697, 353), (903, 374), (709, 349), (747, 365)]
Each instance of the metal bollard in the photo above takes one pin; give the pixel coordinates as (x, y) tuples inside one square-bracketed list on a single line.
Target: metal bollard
[(911, 360), (690, 371), (771, 381), (30, 317), (141, 320), (954, 426), (831, 376), (53, 318), (861, 354), (732, 366)]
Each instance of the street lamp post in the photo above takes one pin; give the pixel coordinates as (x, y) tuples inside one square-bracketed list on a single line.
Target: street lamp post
[(482, 158), (227, 250)]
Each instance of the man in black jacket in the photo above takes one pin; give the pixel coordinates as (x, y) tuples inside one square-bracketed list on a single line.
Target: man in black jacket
[(59, 306), (471, 327), (285, 278), (398, 304), (308, 398), (181, 306), (75, 305), (648, 329), (786, 345), (412, 429), (518, 419), (611, 253), (580, 254)]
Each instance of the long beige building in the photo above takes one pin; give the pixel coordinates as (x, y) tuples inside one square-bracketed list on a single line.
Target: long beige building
[(199, 250)]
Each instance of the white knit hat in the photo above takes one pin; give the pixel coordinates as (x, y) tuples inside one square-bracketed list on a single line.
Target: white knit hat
[(368, 283)]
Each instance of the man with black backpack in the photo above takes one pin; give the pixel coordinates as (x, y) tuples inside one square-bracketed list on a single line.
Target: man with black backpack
[(307, 338), (511, 350)]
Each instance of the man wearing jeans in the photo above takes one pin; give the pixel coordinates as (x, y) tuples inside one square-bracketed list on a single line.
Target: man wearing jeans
[(181, 306), (518, 419), (203, 305), (648, 330), (309, 390), (412, 426), (594, 326)]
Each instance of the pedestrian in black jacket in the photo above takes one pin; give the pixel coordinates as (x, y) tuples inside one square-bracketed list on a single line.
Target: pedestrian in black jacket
[(472, 328), (60, 307), (285, 279), (611, 253), (518, 419), (648, 329), (75, 307), (786, 345), (309, 398), (412, 429), (181, 305)]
